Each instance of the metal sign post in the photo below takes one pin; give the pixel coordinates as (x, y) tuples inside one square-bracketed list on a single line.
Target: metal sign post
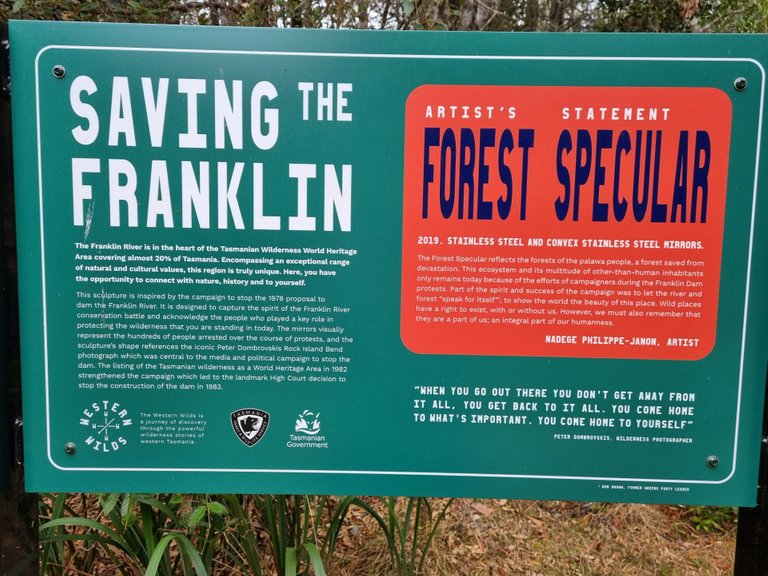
[(752, 535), (18, 511)]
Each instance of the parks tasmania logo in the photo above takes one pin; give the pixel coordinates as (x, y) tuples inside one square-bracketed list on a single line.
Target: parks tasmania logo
[(250, 424)]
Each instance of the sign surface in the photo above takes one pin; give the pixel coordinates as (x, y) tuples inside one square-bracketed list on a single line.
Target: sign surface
[(439, 264)]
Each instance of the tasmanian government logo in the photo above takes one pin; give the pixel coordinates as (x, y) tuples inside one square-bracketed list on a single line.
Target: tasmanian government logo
[(308, 423), (250, 425), (307, 432), (106, 422)]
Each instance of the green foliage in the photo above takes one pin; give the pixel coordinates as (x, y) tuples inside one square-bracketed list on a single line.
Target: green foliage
[(744, 16), (712, 518), (172, 534), (498, 15), (292, 555), (152, 11), (409, 529), (641, 16), (188, 556), (134, 532)]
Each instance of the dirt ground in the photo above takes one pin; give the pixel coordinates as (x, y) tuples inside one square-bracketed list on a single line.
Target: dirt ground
[(508, 537), (505, 538)]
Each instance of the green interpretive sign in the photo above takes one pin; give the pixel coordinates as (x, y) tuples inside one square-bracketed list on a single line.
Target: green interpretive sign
[(486, 265)]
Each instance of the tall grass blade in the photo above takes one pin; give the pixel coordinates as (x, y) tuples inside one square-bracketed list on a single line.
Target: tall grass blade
[(112, 536), (291, 561), (147, 524), (53, 550), (415, 538), (432, 533), (315, 559), (109, 503), (186, 550), (385, 528), (336, 523), (170, 514), (246, 537)]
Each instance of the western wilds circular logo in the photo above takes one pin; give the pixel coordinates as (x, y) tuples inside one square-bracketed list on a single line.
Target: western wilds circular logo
[(250, 424), (106, 421)]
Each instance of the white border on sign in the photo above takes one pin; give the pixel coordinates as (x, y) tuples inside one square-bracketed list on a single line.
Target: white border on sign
[(401, 57)]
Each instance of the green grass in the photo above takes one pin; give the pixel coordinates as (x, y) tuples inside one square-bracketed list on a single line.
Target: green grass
[(171, 535)]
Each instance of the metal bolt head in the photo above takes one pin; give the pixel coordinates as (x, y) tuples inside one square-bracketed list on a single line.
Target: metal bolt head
[(713, 461), (70, 448), (59, 71), (740, 83)]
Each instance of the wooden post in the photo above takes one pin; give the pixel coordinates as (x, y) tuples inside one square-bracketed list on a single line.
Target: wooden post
[(18, 511), (752, 534)]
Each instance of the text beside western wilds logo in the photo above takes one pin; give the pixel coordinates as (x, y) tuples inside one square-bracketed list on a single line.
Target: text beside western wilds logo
[(250, 424)]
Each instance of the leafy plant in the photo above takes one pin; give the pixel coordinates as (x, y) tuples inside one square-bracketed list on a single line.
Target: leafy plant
[(712, 518), (164, 535), (60, 548), (134, 532), (409, 529), (304, 530)]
